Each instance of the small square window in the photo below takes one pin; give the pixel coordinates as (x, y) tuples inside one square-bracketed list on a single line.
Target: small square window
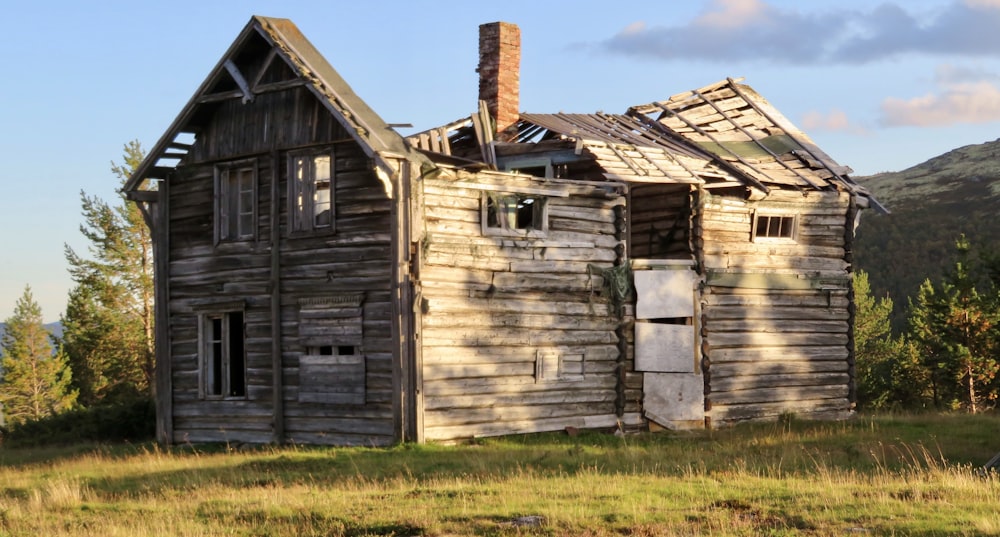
[(514, 214), (774, 227)]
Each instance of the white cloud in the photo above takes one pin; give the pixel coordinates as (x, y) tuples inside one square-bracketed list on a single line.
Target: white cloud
[(835, 120), (729, 30), (733, 14), (972, 102)]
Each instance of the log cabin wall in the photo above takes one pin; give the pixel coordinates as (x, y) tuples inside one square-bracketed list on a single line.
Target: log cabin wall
[(516, 336), (775, 310), (334, 285)]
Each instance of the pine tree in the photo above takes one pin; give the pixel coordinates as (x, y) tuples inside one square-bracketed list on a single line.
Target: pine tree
[(955, 326), (889, 373), (36, 382), (108, 324)]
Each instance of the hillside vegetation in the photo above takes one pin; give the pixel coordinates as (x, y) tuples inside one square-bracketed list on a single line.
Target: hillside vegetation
[(932, 204)]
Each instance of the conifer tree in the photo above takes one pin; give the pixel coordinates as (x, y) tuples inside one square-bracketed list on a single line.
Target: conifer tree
[(888, 371), (36, 382), (955, 326), (108, 324)]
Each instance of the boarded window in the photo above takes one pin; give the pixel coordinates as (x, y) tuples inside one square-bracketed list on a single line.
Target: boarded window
[(312, 191), (774, 226), (332, 366), (552, 366), (236, 201), (222, 355), (514, 214)]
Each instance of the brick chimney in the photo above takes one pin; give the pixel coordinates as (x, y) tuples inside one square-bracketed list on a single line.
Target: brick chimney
[(500, 75)]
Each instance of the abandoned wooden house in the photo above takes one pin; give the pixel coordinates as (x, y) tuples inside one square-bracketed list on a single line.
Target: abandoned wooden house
[(322, 279)]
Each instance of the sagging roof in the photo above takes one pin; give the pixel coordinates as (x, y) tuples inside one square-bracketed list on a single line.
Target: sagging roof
[(311, 70), (718, 135)]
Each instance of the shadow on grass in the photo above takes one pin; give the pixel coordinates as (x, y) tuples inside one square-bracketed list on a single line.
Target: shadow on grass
[(863, 445)]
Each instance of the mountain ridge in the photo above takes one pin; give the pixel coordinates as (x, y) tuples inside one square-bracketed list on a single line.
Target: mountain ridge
[(932, 205)]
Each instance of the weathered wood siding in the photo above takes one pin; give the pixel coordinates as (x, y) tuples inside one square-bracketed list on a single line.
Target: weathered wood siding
[(503, 315), (775, 315), (202, 274), (355, 259)]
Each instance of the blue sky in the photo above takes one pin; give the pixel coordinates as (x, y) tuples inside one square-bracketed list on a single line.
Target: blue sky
[(879, 86)]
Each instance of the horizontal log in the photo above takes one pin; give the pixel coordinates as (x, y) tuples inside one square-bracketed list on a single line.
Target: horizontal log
[(723, 370), (779, 353), (549, 397), (773, 312), (499, 414), (744, 339), (509, 385), (487, 337), (550, 322), (777, 394), (776, 380), (770, 326), (512, 303), (835, 408), (606, 419)]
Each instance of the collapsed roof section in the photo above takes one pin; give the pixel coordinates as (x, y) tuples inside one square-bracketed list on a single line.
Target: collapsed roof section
[(721, 135)]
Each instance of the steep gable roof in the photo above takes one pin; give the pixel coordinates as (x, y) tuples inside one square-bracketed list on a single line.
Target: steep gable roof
[(281, 41)]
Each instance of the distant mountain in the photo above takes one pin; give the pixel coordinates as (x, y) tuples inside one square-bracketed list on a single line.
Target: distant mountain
[(932, 204), (55, 328)]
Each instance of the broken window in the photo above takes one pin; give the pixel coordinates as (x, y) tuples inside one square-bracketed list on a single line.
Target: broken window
[(236, 201), (514, 214), (222, 355), (774, 226), (312, 189)]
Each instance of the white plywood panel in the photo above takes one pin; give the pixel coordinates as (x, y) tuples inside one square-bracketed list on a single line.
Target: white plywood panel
[(664, 293), (664, 347), (671, 399)]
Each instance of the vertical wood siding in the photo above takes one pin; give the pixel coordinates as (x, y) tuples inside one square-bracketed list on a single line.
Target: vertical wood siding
[(353, 259)]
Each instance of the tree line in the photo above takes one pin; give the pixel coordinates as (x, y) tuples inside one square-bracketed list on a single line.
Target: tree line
[(104, 356), (946, 358)]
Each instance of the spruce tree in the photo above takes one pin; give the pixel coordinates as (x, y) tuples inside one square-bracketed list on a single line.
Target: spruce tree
[(36, 381), (888, 371), (108, 324), (955, 326)]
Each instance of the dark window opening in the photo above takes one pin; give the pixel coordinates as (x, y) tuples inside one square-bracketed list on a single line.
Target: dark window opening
[(515, 212), (224, 359)]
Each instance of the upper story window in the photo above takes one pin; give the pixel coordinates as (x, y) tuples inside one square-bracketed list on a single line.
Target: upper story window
[(514, 214), (236, 201), (312, 191), (538, 167), (774, 227)]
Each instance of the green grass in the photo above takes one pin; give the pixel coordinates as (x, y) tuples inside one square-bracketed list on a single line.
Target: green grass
[(886, 475)]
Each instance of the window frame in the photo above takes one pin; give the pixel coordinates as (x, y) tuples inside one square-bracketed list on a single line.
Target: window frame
[(226, 201), (302, 214), (216, 357), (792, 220), (539, 209)]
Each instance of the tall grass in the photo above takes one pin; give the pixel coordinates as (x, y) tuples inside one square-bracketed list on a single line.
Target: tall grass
[(888, 475)]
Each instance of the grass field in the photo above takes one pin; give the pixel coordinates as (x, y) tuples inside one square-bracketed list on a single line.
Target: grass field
[(885, 475)]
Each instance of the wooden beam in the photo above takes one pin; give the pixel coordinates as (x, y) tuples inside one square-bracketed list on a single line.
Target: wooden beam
[(240, 80), (217, 97)]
